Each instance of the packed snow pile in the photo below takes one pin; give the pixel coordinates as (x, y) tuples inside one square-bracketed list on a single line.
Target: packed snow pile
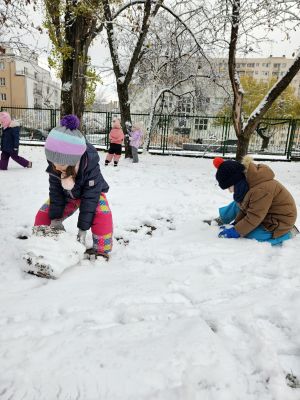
[(176, 313), (49, 252)]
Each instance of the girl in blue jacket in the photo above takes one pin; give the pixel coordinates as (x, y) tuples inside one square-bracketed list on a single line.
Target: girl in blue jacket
[(10, 142), (75, 183)]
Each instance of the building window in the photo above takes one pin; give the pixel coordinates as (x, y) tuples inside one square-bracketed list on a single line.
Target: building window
[(201, 124), (2, 81), (25, 70), (256, 72), (48, 89), (275, 73), (168, 102), (276, 65), (2, 65), (257, 64), (184, 105), (266, 73), (3, 96), (219, 100), (35, 75), (251, 65)]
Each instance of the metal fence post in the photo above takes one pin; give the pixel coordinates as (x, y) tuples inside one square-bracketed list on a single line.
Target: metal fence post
[(108, 126), (164, 123), (163, 133), (290, 142), (52, 118), (161, 129), (227, 127), (168, 118), (289, 136)]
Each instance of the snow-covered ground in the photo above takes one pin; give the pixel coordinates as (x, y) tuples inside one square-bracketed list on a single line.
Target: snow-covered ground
[(179, 314)]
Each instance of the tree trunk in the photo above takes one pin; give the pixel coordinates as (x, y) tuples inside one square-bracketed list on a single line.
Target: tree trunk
[(75, 66), (73, 86), (79, 83), (242, 147), (149, 131), (67, 89), (265, 143), (124, 104)]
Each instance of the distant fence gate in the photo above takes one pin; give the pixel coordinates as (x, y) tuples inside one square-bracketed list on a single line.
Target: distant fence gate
[(173, 134)]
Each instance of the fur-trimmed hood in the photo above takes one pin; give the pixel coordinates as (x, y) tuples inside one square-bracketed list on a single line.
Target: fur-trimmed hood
[(256, 173)]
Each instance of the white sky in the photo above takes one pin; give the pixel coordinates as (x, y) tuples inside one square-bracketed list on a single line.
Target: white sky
[(100, 55)]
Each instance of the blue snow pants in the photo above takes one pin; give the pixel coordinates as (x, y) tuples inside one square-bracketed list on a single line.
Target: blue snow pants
[(229, 213)]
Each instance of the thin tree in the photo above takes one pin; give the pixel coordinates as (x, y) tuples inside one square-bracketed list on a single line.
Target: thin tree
[(238, 12), (123, 74)]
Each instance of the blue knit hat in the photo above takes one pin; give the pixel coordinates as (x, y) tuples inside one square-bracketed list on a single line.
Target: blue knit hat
[(65, 144), (229, 172)]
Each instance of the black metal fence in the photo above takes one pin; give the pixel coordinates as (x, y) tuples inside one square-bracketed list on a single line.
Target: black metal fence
[(173, 134)]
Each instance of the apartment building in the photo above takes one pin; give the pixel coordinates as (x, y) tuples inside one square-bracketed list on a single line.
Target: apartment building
[(260, 68), (24, 83)]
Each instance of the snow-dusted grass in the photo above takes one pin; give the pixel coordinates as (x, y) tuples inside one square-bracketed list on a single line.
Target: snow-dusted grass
[(179, 314)]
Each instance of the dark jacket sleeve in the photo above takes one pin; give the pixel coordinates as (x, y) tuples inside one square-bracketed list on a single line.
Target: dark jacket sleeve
[(91, 191), (16, 134), (57, 198)]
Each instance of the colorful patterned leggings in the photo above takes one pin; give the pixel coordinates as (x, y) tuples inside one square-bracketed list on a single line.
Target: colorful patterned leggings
[(102, 226)]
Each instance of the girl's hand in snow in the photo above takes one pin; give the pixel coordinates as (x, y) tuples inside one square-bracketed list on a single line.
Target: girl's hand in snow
[(81, 236)]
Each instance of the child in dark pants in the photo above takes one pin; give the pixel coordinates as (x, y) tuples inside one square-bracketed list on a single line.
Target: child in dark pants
[(116, 138), (10, 142)]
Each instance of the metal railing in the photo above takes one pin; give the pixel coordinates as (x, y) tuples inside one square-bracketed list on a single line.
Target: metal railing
[(173, 134)]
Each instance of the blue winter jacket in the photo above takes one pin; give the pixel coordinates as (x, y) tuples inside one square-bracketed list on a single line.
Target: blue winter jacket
[(89, 184), (10, 139)]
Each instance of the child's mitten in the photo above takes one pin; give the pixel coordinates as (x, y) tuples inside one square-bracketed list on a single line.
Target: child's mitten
[(230, 233)]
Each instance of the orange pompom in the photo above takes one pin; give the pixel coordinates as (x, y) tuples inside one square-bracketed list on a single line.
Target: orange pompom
[(218, 161)]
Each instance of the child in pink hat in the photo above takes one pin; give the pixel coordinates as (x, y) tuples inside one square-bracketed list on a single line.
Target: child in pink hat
[(10, 142)]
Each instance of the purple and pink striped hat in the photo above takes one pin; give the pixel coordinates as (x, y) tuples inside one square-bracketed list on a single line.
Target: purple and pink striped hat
[(65, 144)]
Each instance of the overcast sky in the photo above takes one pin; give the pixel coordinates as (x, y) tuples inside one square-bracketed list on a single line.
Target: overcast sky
[(100, 54)]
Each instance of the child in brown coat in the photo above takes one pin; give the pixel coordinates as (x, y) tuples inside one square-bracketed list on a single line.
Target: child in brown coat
[(263, 209)]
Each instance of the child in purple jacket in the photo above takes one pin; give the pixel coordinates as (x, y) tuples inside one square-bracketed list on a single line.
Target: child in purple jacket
[(135, 138)]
